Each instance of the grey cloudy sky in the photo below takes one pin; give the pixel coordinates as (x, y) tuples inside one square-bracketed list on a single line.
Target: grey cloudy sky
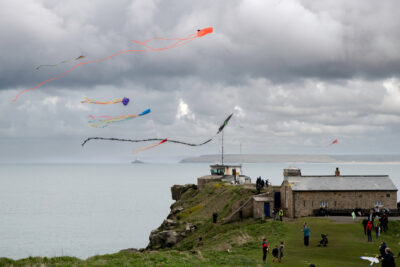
[(296, 73)]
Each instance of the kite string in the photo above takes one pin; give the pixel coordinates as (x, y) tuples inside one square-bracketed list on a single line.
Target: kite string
[(190, 38)]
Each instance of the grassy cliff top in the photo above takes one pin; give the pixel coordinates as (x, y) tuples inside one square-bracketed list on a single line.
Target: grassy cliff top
[(239, 243)]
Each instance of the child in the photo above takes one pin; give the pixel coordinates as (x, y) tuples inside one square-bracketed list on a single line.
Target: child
[(275, 253), (281, 250), (378, 230)]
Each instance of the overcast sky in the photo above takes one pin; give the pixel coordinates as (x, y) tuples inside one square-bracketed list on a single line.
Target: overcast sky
[(296, 75)]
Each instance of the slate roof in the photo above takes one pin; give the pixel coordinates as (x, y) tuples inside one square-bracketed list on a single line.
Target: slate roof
[(342, 183)]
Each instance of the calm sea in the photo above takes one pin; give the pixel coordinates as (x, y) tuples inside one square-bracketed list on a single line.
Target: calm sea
[(84, 210)]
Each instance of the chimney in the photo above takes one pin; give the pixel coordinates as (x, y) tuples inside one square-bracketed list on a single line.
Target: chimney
[(291, 172), (337, 172)]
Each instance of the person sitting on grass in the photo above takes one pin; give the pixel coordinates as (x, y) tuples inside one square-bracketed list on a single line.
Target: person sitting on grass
[(275, 253)]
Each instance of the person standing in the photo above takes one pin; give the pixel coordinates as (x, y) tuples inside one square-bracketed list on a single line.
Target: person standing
[(382, 248), (280, 214), (369, 230), (306, 231), (275, 253), (215, 216), (353, 214), (388, 259), (281, 250), (378, 230), (274, 213), (364, 223), (265, 248)]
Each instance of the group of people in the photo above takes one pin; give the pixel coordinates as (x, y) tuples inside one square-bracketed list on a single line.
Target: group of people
[(279, 212), (369, 225), (260, 184), (277, 253), (386, 255)]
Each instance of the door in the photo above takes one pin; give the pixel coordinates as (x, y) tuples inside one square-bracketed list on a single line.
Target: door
[(266, 209), (277, 200)]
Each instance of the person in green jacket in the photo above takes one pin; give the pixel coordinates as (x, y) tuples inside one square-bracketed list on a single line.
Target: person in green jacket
[(280, 214)]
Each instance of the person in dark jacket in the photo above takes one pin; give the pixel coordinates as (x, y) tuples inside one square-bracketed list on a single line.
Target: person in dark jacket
[(382, 248), (275, 253), (215, 216), (388, 259), (365, 222), (265, 249)]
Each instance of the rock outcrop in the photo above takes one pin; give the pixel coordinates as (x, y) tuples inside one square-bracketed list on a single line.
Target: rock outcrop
[(171, 231), (178, 190)]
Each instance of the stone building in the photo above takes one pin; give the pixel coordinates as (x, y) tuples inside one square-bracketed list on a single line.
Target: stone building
[(303, 195)]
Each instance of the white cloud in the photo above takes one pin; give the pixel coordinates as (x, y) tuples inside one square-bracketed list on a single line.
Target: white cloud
[(184, 111)]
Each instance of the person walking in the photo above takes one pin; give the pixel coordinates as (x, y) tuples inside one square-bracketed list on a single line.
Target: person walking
[(306, 231), (265, 249), (353, 214), (369, 230), (280, 214)]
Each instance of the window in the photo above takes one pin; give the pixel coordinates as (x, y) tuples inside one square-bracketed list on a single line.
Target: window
[(387, 195), (335, 203), (304, 203), (312, 203), (323, 204), (378, 203)]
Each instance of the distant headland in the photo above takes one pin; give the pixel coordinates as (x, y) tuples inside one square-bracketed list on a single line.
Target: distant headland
[(269, 158)]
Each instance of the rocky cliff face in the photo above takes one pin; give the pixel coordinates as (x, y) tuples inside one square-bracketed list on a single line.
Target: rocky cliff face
[(171, 231)]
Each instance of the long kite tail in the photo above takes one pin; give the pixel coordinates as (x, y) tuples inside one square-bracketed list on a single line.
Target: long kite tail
[(179, 42), (104, 121), (92, 101), (144, 140), (64, 61), (149, 147)]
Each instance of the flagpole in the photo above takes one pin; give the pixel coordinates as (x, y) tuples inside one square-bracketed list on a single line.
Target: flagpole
[(222, 154)]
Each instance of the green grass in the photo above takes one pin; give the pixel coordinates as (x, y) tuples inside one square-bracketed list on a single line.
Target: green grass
[(239, 243)]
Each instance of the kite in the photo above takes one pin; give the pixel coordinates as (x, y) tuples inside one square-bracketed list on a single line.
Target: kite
[(334, 142), (179, 42), (124, 101), (62, 62), (104, 121), (149, 147), (372, 260), (159, 139)]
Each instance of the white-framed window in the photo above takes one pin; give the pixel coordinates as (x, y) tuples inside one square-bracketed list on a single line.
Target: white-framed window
[(323, 204), (378, 203)]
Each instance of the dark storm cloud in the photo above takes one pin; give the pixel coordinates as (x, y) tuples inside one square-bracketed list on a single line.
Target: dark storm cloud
[(296, 73)]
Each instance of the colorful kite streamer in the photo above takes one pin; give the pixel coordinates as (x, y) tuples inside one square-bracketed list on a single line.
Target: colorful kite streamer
[(124, 101), (62, 62), (159, 139), (149, 147), (179, 42), (104, 121)]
